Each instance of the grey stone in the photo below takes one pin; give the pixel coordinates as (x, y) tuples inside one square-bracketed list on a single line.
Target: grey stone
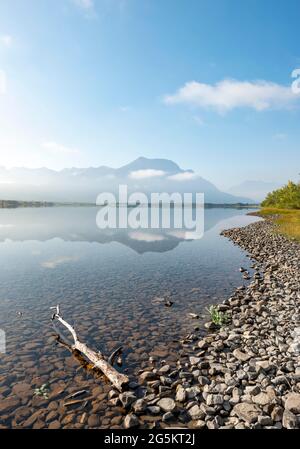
[(240, 355), (292, 403), (289, 420), (130, 421), (265, 421), (247, 412), (146, 376), (167, 404), (196, 413), (139, 406), (214, 399), (194, 360), (127, 398), (180, 394)]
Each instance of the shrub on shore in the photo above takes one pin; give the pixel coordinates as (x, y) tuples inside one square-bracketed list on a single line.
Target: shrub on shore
[(287, 197), (285, 204)]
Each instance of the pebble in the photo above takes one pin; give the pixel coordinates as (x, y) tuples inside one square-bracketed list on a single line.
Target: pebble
[(289, 420), (131, 421), (127, 398), (292, 403), (167, 404), (247, 412)]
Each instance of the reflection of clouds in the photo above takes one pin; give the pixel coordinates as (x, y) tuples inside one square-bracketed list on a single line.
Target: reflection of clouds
[(36, 252), (146, 236), (53, 263), (186, 235), (194, 235), (178, 234)]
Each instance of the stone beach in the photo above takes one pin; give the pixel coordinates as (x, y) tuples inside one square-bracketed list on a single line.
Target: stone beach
[(246, 374)]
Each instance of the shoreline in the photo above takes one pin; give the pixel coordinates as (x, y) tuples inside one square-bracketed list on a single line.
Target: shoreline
[(244, 375), (18, 204)]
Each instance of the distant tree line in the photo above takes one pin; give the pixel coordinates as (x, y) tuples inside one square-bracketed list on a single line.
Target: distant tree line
[(10, 204), (287, 197)]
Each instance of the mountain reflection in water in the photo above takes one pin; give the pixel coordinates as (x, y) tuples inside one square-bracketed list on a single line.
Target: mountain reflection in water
[(78, 224)]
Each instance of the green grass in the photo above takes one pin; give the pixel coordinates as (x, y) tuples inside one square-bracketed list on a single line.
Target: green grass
[(217, 317), (288, 220), (42, 391)]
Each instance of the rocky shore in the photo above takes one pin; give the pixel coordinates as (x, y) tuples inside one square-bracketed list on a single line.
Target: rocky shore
[(242, 375)]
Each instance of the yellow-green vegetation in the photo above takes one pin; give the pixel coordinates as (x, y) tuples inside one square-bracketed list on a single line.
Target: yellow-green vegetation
[(285, 204), (217, 317), (288, 197), (288, 220)]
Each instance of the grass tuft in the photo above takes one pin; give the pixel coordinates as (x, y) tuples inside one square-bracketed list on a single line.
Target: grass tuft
[(288, 220), (217, 317)]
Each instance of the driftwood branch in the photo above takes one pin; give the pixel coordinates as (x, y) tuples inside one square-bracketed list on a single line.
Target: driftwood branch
[(114, 355), (119, 380)]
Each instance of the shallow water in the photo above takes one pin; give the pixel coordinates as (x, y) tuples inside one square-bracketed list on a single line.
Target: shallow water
[(105, 283)]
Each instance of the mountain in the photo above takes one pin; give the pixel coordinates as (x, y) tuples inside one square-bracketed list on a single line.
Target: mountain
[(84, 184), (256, 190), (142, 163)]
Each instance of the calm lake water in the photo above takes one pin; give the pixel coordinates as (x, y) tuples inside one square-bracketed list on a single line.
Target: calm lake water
[(106, 283)]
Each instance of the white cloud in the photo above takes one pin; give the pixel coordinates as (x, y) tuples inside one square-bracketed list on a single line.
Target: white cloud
[(179, 234), (84, 4), (55, 147), (230, 94), (87, 7), (280, 136), (146, 237), (3, 82), (53, 263), (125, 108), (185, 176), (7, 226), (6, 40), (144, 174), (198, 120)]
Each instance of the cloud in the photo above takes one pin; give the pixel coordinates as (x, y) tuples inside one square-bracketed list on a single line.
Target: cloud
[(53, 263), (6, 40), (198, 120), (3, 82), (124, 108), (59, 149), (185, 176), (7, 226), (230, 94), (280, 136), (146, 237), (144, 174), (86, 5)]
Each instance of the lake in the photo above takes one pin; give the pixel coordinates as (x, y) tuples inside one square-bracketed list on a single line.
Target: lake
[(107, 283)]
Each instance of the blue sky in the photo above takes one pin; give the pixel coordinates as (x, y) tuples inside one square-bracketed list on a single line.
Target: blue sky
[(92, 82)]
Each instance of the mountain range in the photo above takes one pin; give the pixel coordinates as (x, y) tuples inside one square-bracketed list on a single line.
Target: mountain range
[(84, 184)]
